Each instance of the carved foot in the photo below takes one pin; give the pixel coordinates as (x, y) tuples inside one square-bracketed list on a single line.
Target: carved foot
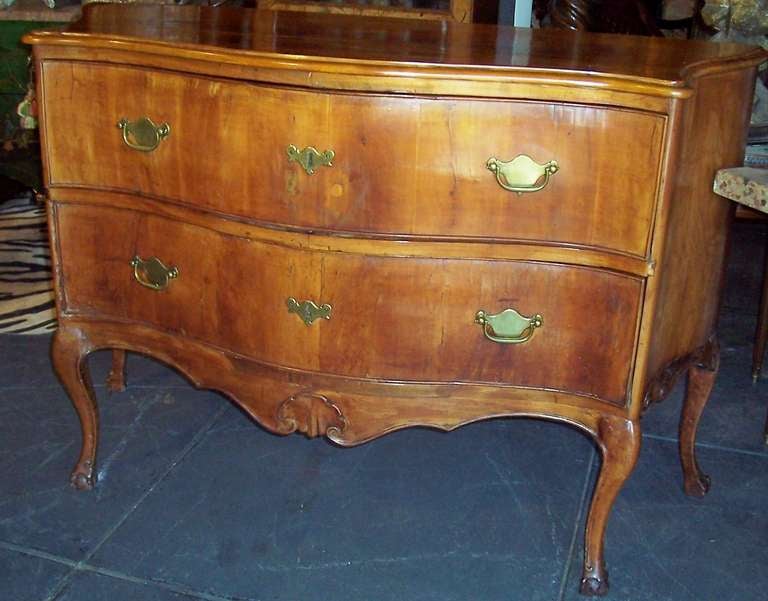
[(701, 379), (116, 377), (83, 476), (697, 485), (594, 581), (69, 350), (619, 441)]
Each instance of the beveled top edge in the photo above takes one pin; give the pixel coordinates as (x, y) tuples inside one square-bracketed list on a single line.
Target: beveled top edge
[(389, 47)]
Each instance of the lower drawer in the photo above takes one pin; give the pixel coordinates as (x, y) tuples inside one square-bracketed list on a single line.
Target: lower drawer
[(391, 318)]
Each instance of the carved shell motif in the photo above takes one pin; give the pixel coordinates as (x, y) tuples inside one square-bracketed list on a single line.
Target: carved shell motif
[(311, 414)]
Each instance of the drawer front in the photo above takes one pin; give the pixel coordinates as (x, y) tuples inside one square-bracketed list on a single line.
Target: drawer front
[(413, 320), (401, 165)]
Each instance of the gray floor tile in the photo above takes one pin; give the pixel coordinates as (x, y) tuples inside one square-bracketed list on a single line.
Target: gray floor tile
[(143, 430), (26, 578), (145, 371), (664, 546), (735, 414), (89, 586), (26, 363), (415, 515)]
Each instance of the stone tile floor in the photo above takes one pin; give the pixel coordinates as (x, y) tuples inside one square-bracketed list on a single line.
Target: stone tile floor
[(196, 502)]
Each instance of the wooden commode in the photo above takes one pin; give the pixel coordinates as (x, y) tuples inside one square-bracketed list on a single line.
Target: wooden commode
[(355, 225)]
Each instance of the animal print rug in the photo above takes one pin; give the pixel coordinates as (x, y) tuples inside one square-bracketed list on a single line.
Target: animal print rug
[(26, 289)]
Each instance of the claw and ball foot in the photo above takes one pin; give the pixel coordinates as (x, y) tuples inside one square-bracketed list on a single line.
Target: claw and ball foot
[(69, 351), (701, 379), (619, 442)]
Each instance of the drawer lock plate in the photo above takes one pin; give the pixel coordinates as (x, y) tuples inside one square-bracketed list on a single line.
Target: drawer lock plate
[(308, 311), (309, 158)]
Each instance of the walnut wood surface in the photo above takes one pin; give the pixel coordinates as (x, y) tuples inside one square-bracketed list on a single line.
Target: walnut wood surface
[(407, 235), (414, 321), (116, 376), (692, 250), (432, 182), (701, 379), (394, 46)]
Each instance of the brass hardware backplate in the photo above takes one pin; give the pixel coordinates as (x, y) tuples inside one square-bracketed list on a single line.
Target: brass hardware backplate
[(522, 174), (309, 158), (308, 311), (143, 135), (152, 273), (508, 327)]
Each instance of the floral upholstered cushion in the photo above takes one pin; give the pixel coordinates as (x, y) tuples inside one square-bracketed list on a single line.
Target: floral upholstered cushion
[(745, 185)]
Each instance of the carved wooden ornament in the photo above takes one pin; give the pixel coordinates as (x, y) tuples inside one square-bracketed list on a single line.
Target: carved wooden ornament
[(312, 414)]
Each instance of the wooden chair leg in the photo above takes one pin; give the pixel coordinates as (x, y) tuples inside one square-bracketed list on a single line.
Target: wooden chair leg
[(619, 441), (69, 352), (701, 379), (116, 377), (761, 332), (765, 430)]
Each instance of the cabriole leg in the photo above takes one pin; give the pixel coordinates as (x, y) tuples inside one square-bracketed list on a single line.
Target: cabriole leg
[(701, 378), (619, 441), (116, 377), (69, 351)]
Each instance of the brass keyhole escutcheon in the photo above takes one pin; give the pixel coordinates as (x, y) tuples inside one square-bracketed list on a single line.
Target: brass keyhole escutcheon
[(309, 158), (308, 311)]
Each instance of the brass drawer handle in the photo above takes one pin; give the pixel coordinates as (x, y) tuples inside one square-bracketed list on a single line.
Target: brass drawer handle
[(143, 135), (522, 174), (309, 158), (508, 327), (308, 311), (152, 273)]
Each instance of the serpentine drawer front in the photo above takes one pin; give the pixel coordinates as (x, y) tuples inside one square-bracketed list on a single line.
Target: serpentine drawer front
[(379, 180), (584, 310), (351, 226)]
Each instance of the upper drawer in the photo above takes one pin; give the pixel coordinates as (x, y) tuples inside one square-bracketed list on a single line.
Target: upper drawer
[(401, 166)]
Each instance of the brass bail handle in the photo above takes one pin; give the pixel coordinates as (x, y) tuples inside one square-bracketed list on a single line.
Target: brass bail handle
[(143, 134), (152, 273), (522, 174), (508, 327)]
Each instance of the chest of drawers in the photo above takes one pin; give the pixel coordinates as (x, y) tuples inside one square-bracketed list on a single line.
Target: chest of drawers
[(351, 226)]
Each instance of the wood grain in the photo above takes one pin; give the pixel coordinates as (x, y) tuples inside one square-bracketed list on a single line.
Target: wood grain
[(402, 165), (415, 322), (407, 235)]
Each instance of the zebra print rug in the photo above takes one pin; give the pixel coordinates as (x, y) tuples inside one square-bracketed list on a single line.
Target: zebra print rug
[(26, 289)]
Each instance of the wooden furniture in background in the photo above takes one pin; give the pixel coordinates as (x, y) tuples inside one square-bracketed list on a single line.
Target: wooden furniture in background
[(395, 223), (748, 187), (635, 17), (454, 10)]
